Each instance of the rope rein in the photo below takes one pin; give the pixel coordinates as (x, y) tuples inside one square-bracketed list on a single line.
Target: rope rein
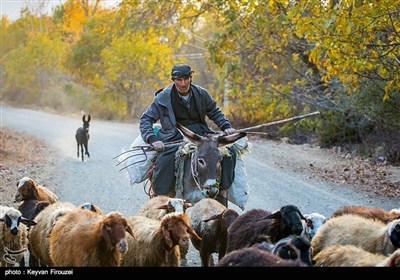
[(193, 166)]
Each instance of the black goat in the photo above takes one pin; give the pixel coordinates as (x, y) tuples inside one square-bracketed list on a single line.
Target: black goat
[(82, 137)]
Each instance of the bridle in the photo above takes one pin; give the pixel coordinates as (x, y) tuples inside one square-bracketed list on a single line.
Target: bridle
[(195, 175)]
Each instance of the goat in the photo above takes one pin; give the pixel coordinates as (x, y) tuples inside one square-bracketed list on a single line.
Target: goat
[(371, 235), (210, 220), (82, 137), (254, 257), (248, 227), (90, 239), (350, 256), (156, 242), (368, 212), (28, 189), (13, 235)]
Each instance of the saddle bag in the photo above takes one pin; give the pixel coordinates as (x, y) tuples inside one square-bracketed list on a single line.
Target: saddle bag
[(137, 162)]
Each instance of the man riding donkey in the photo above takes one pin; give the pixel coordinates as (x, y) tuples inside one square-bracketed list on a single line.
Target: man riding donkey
[(187, 104)]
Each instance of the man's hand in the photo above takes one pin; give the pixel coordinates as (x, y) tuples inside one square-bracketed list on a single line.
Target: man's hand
[(229, 131), (158, 146)]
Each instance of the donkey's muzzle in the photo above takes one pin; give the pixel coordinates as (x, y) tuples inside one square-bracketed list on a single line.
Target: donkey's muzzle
[(210, 191)]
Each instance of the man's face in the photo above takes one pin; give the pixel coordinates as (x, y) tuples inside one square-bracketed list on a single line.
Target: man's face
[(183, 84)]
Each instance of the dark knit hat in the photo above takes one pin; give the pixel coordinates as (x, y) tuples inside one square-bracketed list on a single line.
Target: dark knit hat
[(181, 71)]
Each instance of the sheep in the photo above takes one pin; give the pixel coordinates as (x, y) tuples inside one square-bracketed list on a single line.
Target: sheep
[(156, 242), (294, 247), (372, 235), (39, 243), (210, 220), (88, 239), (28, 189), (368, 212), (90, 206), (350, 255), (257, 222), (13, 235), (38, 235), (395, 210), (30, 209), (254, 257), (312, 224), (158, 206)]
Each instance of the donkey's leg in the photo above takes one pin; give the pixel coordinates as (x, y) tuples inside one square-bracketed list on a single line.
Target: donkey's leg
[(82, 152), (77, 149), (87, 150)]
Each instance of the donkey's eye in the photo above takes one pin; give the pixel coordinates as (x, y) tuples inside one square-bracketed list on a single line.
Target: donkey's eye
[(201, 161)]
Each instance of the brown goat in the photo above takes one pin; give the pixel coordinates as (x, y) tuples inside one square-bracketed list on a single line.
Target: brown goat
[(367, 212), (86, 238), (28, 189), (157, 242), (210, 219)]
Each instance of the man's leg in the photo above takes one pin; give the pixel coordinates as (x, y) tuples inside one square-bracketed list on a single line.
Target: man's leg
[(163, 182), (227, 176)]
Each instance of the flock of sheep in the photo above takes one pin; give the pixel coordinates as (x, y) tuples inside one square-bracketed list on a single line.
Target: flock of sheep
[(59, 233)]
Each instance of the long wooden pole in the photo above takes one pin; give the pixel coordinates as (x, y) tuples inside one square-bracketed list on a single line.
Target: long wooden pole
[(278, 122)]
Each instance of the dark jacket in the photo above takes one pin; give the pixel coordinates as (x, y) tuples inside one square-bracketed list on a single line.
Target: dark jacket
[(161, 110)]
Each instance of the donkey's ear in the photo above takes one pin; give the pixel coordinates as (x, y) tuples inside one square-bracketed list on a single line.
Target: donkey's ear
[(88, 118), (230, 139), (190, 135), (83, 118)]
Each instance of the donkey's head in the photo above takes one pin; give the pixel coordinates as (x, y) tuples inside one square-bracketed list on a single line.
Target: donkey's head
[(206, 160), (86, 123)]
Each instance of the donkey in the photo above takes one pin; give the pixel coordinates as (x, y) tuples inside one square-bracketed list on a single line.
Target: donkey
[(202, 168), (82, 137)]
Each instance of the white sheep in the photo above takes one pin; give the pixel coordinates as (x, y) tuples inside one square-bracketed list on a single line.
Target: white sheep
[(88, 239), (352, 256), (372, 235), (312, 223), (158, 206), (13, 235)]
